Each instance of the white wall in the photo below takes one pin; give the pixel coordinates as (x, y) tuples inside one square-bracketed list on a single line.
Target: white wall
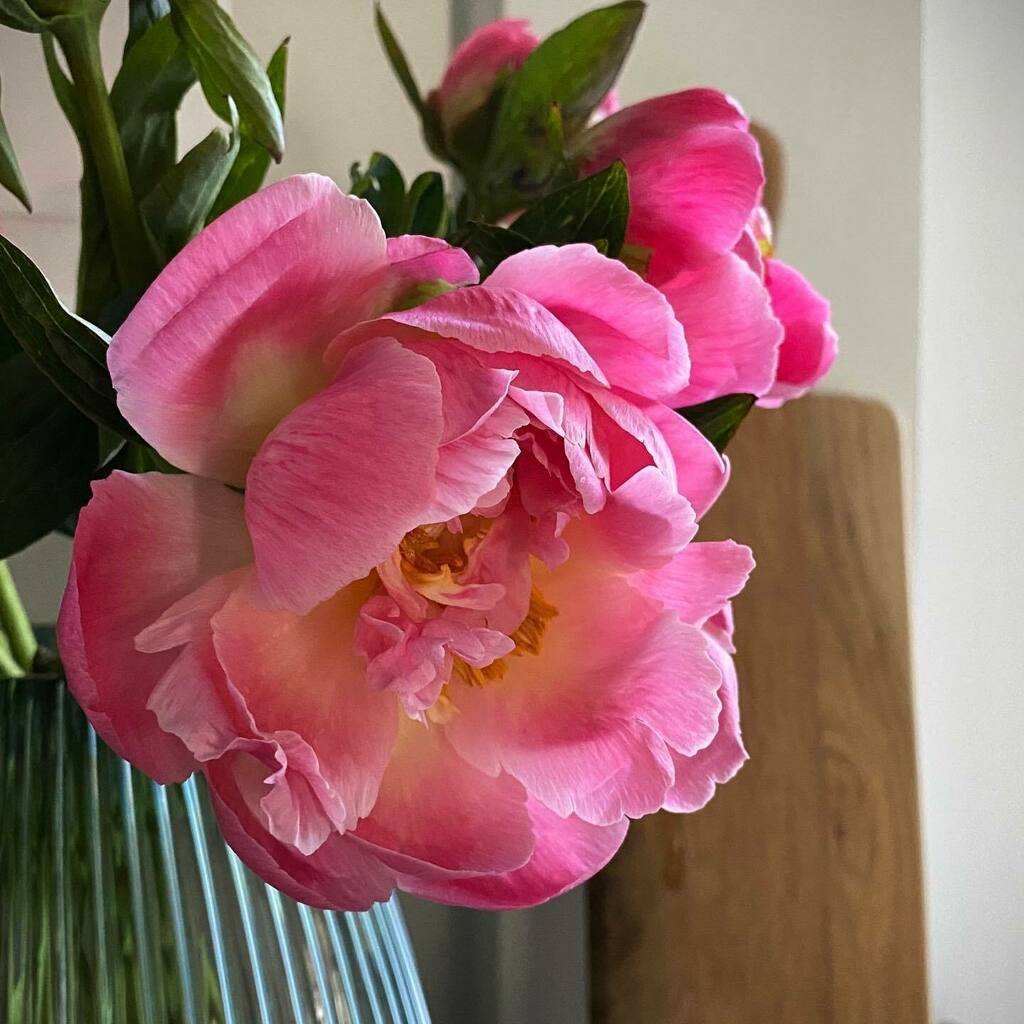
[(969, 565)]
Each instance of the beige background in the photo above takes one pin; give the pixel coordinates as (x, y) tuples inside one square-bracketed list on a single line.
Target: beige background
[(902, 122)]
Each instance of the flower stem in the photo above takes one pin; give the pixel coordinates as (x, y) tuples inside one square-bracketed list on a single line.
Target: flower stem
[(20, 639), (79, 39), (9, 668)]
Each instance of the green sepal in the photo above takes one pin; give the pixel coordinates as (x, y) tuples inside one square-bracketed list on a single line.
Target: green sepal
[(720, 418)]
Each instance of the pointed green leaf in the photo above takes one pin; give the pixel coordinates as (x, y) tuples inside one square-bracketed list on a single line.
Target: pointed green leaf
[(397, 60), (70, 351), (593, 210), (145, 97), (176, 210), (227, 66), (48, 451), (720, 418), (489, 244), (383, 187), (253, 161), (572, 71), (18, 14), (10, 172), (426, 208)]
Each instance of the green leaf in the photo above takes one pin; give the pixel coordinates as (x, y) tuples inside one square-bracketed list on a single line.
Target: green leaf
[(48, 451), (70, 351), (17, 14), (176, 210), (253, 161), (426, 209), (397, 60), (145, 97), (593, 210), (10, 172), (142, 14), (572, 71), (383, 187), (489, 245), (719, 418), (227, 66)]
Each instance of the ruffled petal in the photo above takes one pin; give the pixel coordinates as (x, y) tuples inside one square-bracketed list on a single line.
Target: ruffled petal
[(304, 689), (339, 483), (230, 336), (625, 323), (144, 543), (340, 875)]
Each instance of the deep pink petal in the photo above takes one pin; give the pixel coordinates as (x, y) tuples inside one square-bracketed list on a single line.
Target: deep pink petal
[(567, 852), (143, 543), (436, 808), (625, 324), (300, 678), (230, 336), (339, 483), (733, 336), (810, 345)]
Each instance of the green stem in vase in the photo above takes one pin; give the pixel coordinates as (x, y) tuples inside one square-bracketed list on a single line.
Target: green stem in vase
[(79, 39), (18, 649)]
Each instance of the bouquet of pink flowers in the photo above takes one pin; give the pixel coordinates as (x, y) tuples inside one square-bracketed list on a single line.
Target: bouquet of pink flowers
[(385, 500)]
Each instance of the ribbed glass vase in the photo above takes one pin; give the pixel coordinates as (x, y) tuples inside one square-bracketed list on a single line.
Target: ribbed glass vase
[(120, 902)]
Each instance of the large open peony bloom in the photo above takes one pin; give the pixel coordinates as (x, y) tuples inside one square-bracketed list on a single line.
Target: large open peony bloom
[(425, 607), (753, 325)]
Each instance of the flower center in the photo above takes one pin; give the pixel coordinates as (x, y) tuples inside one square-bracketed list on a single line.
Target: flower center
[(527, 639)]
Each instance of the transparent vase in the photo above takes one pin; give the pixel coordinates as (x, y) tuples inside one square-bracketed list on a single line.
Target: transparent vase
[(120, 902)]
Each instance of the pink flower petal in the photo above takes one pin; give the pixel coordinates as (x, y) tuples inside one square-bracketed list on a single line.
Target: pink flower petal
[(436, 808), (625, 324), (304, 688), (343, 478), (567, 851), (700, 579), (733, 336), (701, 472), (697, 776), (230, 336), (488, 320), (584, 725), (144, 543), (418, 261), (695, 175), (810, 345)]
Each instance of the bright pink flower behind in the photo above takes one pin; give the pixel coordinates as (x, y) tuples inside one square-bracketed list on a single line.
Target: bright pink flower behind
[(456, 631)]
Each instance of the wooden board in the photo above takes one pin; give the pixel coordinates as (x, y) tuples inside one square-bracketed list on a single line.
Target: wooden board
[(795, 896)]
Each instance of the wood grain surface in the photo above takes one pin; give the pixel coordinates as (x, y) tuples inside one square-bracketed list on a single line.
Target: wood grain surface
[(795, 896)]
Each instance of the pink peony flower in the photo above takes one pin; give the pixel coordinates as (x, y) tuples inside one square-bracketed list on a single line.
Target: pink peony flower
[(455, 631), (752, 326)]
